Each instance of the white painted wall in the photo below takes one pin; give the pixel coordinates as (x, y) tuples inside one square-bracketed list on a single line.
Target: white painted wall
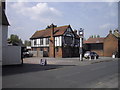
[(32, 43), (0, 56), (0, 43), (38, 43), (4, 35), (58, 41), (3, 39), (11, 55)]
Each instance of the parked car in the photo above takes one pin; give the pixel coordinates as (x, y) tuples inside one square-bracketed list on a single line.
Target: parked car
[(89, 54), (27, 54)]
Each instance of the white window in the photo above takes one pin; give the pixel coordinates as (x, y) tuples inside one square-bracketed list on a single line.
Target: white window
[(47, 41), (41, 41)]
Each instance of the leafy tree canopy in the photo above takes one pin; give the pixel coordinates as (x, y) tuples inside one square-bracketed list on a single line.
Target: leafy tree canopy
[(95, 36), (27, 43), (15, 40)]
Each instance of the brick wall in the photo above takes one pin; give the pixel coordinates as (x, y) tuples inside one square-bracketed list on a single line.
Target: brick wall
[(52, 47), (66, 52), (110, 45), (70, 51), (58, 52), (52, 43)]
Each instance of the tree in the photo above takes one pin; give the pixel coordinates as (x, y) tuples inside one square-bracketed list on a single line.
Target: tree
[(92, 36), (98, 36), (27, 43), (15, 40)]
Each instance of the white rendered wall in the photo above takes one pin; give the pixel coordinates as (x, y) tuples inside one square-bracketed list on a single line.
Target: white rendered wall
[(11, 55), (4, 35), (0, 43), (32, 43), (58, 41), (38, 43), (0, 56), (3, 39)]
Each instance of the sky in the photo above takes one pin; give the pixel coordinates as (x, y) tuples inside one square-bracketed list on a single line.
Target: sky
[(96, 18)]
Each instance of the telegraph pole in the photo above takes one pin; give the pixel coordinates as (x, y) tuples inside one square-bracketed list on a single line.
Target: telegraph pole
[(81, 43)]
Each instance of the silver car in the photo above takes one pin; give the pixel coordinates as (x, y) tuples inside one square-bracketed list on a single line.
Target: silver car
[(89, 54)]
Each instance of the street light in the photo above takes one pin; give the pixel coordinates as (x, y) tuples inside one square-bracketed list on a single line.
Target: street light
[(81, 34)]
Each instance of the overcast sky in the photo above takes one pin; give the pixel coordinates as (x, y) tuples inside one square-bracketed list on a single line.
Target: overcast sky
[(96, 18)]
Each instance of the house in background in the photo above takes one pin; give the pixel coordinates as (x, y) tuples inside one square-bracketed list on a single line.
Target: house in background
[(9, 54), (106, 46), (112, 43), (56, 41), (95, 45)]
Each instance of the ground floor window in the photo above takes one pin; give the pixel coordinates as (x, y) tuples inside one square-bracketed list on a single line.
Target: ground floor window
[(34, 49), (41, 49), (57, 49)]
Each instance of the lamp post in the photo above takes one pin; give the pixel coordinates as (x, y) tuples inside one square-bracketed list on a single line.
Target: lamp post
[(81, 43)]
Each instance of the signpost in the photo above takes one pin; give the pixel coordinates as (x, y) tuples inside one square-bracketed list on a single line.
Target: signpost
[(81, 43)]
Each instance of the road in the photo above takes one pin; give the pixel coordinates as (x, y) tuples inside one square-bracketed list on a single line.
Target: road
[(96, 75)]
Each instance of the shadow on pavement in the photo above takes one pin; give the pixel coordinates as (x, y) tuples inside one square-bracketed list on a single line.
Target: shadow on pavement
[(20, 69)]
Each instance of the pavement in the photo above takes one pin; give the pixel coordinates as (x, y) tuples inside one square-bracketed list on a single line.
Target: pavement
[(68, 61)]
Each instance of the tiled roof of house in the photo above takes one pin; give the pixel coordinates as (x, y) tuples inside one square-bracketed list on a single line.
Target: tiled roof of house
[(47, 32), (116, 34), (94, 40)]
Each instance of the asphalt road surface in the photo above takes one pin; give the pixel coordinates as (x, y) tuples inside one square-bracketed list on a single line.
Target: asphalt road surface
[(96, 75)]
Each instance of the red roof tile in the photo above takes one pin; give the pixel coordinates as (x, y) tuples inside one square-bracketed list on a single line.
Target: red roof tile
[(94, 40), (47, 32)]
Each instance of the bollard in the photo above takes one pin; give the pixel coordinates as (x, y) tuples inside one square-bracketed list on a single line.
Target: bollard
[(113, 56), (43, 62), (89, 57), (95, 58)]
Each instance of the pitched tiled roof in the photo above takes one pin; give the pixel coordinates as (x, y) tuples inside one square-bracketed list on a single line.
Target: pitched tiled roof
[(94, 40), (47, 32)]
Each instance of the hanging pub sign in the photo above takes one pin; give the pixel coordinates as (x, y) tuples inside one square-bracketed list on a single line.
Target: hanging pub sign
[(81, 32)]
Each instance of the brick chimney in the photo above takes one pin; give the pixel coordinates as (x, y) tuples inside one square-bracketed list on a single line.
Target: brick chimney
[(52, 42), (52, 31)]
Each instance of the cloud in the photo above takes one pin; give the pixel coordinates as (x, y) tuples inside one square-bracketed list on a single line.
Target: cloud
[(106, 26), (41, 11)]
